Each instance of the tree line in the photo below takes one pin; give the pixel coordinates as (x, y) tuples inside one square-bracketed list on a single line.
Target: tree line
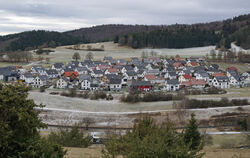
[(34, 39), (164, 38), (228, 56), (18, 56), (220, 33)]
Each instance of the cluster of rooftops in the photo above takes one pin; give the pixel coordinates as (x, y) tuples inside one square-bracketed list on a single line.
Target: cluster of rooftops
[(116, 74)]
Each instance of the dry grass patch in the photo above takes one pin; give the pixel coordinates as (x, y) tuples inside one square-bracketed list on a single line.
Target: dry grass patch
[(227, 153), (94, 151), (241, 67)]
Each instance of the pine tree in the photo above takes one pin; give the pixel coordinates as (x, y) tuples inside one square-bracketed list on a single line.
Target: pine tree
[(147, 139), (19, 124), (192, 135)]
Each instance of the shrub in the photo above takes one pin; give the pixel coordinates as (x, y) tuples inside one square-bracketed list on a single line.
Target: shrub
[(134, 97), (208, 140), (227, 144), (85, 95), (98, 95), (214, 90), (42, 89), (70, 138), (54, 93), (243, 124), (64, 94), (208, 90), (157, 96), (224, 102), (147, 139), (130, 98), (72, 92), (109, 97)]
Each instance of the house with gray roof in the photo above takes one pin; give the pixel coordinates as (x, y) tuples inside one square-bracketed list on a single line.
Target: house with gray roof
[(52, 73), (130, 75), (62, 83), (27, 78), (57, 66), (97, 73), (172, 85), (3, 72), (115, 84), (40, 81), (82, 70), (170, 75), (221, 82)]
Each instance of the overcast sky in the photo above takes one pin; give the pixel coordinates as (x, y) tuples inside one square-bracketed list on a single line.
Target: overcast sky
[(62, 15)]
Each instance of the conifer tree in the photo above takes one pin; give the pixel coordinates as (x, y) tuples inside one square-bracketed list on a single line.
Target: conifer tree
[(192, 135)]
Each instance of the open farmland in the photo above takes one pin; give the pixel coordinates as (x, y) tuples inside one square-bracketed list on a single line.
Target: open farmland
[(79, 104), (62, 54), (61, 102)]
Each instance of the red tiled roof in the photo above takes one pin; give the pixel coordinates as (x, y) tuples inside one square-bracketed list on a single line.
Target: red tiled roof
[(112, 70), (232, 68), (188, 84), (218, 74), (69, 74), (187, 76), (194, 64), (177, 64), (194, 82), (103, 67), (178, 58), (198, 82), (150, 77)]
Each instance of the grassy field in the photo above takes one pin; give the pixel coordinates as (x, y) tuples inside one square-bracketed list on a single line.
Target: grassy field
[(217, 150), (60, 102), (62, 54), (241, 67), (95, 152), (227, 153)]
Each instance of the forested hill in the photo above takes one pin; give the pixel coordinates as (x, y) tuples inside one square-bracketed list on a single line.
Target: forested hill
[(164, 38), (220, 33), (108, 32), (34, 39)]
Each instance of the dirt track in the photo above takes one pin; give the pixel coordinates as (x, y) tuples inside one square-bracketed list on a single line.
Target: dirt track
[(126, 119)]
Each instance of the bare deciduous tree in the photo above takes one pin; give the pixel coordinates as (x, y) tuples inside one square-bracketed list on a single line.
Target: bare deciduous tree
[(144, 54), (89, 47), (89, 56), (87, 121), (76, 56)]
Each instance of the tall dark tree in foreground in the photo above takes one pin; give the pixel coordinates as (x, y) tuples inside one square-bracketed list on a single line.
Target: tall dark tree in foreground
[(192, 135), (147, 139), (19, 124)]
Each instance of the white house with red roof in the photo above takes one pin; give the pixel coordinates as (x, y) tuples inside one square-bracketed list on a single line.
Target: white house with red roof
[(185, 78)]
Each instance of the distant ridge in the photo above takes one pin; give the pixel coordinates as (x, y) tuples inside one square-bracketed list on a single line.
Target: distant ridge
[(108, 32), (220, 33)]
